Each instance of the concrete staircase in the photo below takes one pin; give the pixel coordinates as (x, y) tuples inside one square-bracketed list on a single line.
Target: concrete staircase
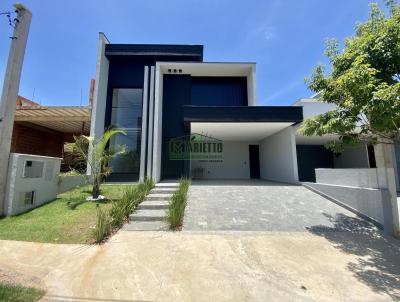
[(150, 214)]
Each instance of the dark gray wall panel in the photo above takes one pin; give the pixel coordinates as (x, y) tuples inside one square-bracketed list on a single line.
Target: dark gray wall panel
[(311, 157)]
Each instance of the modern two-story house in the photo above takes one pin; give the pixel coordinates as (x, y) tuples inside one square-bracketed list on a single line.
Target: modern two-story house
[(184, 116)]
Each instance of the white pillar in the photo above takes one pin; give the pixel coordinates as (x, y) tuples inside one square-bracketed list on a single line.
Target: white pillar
[(157, 141), (151, 125), (10, 93), (144, 125), (386, 180), (100, 91)]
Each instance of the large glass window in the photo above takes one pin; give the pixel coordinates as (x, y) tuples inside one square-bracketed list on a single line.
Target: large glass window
[(126, 113)]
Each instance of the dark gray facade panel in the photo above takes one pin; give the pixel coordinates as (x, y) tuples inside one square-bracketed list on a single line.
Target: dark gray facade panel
[(219, 91), (209, 114), (160, 52), (176, 93), (311, 157)]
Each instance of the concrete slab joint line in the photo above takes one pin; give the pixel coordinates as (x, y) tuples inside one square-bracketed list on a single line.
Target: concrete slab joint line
[(150, 215)]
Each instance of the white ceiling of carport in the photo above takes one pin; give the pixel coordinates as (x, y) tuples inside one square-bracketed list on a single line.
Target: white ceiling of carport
[(238, 131)]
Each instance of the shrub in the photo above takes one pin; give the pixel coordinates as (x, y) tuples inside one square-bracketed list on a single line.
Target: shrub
[(177, 205), (103, 227), (132, 197)]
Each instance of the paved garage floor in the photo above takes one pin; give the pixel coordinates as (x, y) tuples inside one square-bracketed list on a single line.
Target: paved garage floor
[(259, 206)]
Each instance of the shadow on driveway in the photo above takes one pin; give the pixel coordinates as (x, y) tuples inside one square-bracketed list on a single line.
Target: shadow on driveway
[(378, 262)]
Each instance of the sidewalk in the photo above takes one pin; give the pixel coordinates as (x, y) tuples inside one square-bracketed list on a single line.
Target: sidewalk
[(223, 266)]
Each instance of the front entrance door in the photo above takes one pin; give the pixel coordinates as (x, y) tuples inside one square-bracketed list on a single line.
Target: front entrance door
[(254, 156)]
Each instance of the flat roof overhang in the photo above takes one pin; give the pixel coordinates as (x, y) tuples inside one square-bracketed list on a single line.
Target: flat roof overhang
[(242, 123), (168, 51), (243, 114)]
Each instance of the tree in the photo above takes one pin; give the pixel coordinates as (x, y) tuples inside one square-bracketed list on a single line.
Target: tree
[(97, 154), (364, 83)]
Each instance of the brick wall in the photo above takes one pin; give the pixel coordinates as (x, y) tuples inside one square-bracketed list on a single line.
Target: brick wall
[(37, 141)]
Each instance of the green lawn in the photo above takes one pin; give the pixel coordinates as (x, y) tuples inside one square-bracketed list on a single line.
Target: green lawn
[(68, 219), (17, 293)]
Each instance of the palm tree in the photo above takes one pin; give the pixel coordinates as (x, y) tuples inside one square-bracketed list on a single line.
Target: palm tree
[(97, 155)]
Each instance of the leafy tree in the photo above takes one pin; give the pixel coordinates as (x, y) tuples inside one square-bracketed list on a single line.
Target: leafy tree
[(364, 83), (97, 154)]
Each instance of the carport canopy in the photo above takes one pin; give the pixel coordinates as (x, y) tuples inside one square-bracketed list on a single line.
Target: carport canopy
[(241, 123)]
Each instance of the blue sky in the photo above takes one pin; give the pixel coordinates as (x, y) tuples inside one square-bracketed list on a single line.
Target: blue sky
[(285, 39)]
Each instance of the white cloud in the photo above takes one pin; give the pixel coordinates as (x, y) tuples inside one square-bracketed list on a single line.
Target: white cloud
[(263, 32)]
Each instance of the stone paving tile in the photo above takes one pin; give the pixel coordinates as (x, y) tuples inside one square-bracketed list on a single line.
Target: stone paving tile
[(258, 206)]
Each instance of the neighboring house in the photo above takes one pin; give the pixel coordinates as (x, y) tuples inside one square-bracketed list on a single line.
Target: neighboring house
[(43, 130), (311, 153), (158, 93)]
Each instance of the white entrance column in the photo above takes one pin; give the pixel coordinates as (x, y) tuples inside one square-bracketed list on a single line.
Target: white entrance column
[(386, 180), (151, 125), (100, 92), (10, 93), (157, 137)]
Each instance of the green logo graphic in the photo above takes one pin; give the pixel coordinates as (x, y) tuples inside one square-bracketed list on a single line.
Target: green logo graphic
[(195, 147)]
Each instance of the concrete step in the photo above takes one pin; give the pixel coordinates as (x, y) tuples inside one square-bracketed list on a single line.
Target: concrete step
[(147, 215), (163, 190), (167, 185), (158, 196), (146, 226), (154, 205)]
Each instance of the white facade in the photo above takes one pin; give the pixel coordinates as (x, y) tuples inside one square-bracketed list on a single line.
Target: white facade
[(235, 163), (278, 159)]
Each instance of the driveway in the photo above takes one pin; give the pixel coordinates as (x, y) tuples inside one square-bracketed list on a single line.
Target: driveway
[(257, 205)]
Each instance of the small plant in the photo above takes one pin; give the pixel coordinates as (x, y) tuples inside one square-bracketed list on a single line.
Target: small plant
[(132, 197), (177, 205), (103, 226), (97, 153)]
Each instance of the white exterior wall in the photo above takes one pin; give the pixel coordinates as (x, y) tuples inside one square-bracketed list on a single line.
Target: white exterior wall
[(278, 159), (235, 164), (251, 87), (364, 178), (352, 157), (45, 187), (312, 107)]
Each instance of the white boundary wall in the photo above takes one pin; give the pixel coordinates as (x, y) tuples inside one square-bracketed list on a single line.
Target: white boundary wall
[(364, 178), (69, 182), (45, 186)]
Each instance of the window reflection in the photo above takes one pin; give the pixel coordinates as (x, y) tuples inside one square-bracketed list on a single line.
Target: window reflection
[(127, 114)]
